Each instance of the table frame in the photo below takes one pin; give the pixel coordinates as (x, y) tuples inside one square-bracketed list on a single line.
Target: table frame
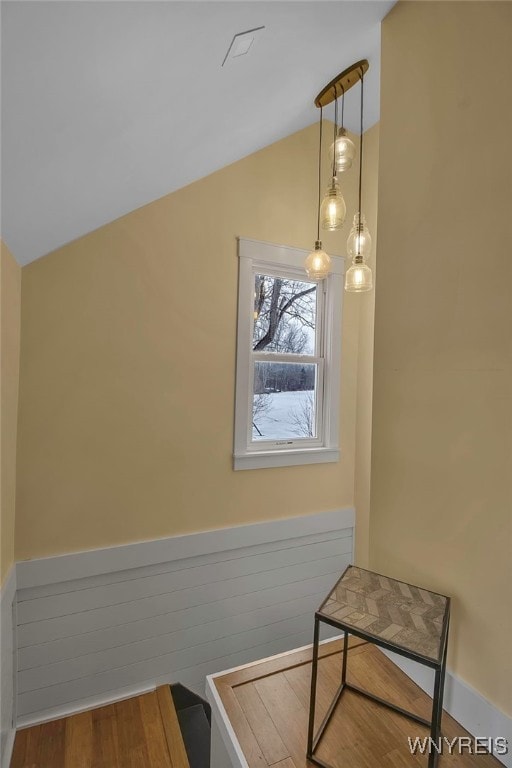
[(438, 665)]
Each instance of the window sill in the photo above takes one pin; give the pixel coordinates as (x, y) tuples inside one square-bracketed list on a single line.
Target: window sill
[(285, 458)]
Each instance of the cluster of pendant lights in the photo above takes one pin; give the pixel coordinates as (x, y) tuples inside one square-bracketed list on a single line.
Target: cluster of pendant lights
[(332, 211)]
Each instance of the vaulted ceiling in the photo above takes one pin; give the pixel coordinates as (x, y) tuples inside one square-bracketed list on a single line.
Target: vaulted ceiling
[(109, 105)]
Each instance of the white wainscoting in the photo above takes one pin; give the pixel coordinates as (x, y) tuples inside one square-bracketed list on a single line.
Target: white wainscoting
[(7, 659), (98, 625)]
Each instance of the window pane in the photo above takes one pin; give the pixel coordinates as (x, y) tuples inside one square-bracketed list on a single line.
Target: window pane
[(284, 404), (284, 315)]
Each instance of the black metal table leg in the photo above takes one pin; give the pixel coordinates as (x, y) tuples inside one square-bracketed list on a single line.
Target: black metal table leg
[(344, 662), (312, 701), (434, 729), (437, 706)]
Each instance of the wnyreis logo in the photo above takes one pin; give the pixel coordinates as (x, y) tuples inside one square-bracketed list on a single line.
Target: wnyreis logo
[(477, 745)]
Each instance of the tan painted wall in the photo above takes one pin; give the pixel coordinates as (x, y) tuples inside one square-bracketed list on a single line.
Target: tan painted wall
[(10, 297), (366, 302), (128, 366), (441, 506)]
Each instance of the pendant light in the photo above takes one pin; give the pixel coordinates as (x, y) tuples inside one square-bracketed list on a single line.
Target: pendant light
[(359, 276), (343, 149), (318, 263), (333, 209)]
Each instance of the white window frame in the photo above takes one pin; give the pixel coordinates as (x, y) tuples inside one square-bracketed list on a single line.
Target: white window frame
[(256, 257)]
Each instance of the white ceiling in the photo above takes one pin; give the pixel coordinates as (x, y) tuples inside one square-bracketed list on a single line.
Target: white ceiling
[(107, 106)]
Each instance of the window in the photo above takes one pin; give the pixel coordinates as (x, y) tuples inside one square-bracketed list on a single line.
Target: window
[(288, 359)]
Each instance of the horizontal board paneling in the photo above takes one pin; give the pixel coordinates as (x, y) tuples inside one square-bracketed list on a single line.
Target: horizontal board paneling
[(124, 613), (152, 667), (165, 665), (113, 577), (88, 599), (113, 637), (132, 652), (80, 639)]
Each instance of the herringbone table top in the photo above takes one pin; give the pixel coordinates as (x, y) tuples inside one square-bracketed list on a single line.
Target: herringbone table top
[(406, 616)]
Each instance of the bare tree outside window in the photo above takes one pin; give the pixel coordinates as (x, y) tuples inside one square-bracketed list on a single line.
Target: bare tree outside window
[(284, 315), (303, 416)]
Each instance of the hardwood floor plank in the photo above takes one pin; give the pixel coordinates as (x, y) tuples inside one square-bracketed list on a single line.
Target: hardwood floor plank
[(105, 738), (52, 753), (132, 746), (376, 672), (245, 736), (300, 680), (261, 724), (33, 745), (154, 731), (20, 749), (78, 740), (287, 712)]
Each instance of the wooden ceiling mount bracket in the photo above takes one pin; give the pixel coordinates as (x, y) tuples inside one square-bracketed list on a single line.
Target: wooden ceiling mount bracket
[(342, 83)]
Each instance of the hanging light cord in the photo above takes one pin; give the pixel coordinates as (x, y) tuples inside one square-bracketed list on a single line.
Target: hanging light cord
[(361, 147), (335, 132), (342, 107), (360, 165), (319, 177)]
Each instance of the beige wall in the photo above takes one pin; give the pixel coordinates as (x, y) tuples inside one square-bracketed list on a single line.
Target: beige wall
[(441, 506), (10, 296), (366, 302), (128, 363)]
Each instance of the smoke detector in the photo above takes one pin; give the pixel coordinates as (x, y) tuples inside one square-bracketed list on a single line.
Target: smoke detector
[(241, 44)]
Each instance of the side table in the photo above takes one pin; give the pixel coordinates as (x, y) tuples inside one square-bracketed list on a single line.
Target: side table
[(401, 617)]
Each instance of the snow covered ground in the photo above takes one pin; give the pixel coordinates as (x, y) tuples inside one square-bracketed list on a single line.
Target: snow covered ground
[(279, 421)]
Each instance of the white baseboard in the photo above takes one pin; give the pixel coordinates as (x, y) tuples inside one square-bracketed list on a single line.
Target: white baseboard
[(463, 703)]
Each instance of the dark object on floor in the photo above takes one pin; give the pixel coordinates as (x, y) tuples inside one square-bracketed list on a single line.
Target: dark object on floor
[(194, 715)]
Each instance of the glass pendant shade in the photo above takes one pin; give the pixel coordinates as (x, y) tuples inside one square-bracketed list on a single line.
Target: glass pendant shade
[(343, 150), (359, 241), (358, 278), (318, 263), (359, 245), (333, 209)]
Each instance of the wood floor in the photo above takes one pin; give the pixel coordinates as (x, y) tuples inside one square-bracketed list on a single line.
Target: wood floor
[(268, 703), (268, 707), (141, 732)]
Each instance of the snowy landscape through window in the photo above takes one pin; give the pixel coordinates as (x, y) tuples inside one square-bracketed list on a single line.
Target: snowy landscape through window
[(284, 394)]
